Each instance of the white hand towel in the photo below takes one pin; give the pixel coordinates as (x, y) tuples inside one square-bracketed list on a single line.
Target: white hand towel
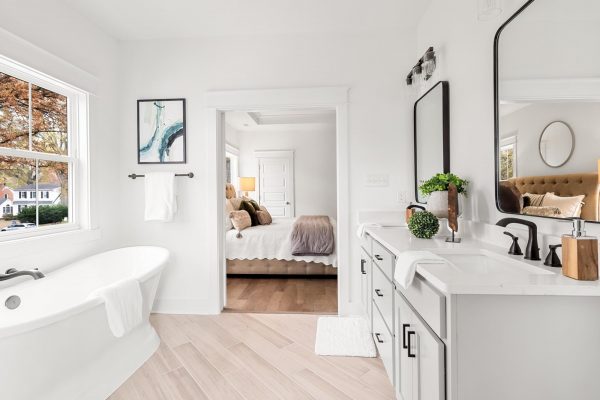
[(123, 302), (406, 265), (362, 228), (160, 196)]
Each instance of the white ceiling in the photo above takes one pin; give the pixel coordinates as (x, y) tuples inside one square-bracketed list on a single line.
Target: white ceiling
[(155, 19), (281, 120)]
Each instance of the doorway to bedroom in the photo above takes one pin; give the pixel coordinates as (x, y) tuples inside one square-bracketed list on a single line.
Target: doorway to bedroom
[(281, 210)]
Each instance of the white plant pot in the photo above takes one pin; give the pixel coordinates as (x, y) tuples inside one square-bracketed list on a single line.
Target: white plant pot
[(437, 204)]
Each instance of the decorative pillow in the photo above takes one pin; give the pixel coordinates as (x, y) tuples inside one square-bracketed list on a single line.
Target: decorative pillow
[(255, 204), (542, 211), (509, 197), (240, 220), (235, 203), (534, 200), (570, 207), (247, 206), (228, 210), (264, 218), (229, 191)]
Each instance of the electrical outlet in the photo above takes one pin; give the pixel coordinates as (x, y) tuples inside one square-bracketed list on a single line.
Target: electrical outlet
[(377, 180)]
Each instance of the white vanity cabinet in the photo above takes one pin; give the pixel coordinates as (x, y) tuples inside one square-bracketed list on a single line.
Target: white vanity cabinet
[(420, 356), (366, 278), (412, 352)]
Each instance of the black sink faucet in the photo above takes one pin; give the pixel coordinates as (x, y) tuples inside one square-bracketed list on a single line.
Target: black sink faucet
[(13, 273), (532, 252)]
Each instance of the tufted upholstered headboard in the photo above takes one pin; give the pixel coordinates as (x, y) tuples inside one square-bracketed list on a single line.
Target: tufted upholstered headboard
[(565, 185)]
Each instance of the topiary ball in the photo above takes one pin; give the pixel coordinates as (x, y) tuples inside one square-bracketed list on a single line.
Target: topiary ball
[(423, 224)]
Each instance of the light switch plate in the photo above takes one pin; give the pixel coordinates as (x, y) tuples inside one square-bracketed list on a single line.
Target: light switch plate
[(377, 180)]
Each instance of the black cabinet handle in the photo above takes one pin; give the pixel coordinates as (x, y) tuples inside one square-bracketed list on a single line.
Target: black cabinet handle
[(378, 292), (411, 355), (378, 338), (362, 266), (378, 257), (404, 326)]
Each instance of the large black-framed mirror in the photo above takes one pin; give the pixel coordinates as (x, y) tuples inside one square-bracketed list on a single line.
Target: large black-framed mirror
[(547, 110), (431, 135)]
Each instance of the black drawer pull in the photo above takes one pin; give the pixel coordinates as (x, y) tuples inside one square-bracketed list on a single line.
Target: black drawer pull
[(379, 340), (411, 355), (404, 326), (378, 257), (362, 266), (378, 292)]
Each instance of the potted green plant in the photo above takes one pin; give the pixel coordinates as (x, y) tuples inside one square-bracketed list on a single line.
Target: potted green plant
[(436, 191), (423, 224)]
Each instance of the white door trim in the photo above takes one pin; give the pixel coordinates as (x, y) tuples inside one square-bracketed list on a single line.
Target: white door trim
[(288, 154), (217, 103)]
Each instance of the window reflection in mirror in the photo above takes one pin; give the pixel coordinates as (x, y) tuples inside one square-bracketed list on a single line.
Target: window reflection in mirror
[(548, 110)]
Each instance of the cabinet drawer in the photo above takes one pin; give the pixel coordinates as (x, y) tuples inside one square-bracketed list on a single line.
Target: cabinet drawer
[(429, 303), (383, 296), (384, 341), (384, 258), (365, 243)]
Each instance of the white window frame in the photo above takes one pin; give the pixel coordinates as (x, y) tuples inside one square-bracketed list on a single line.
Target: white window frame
[(512, 142), (77, 157)]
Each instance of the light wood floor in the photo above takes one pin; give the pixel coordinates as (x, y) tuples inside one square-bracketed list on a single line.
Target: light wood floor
[(242, 356), (308, 295)]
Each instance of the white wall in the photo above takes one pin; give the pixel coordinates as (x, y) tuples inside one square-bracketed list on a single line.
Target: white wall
[(314, 165), (529, 122), (465, 49), (53, 39), (379, 124)]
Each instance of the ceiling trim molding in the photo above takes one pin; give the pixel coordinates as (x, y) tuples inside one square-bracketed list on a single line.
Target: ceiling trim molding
[(549, 90)]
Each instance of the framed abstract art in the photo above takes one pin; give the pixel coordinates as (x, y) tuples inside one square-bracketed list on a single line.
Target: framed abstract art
[(161, 131)]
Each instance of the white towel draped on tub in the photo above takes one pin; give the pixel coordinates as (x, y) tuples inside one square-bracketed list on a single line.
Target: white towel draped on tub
[(124, 305), (406, 265), (160, 196)]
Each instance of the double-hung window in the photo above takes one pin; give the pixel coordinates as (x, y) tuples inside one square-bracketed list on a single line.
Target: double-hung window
[(42, 134)]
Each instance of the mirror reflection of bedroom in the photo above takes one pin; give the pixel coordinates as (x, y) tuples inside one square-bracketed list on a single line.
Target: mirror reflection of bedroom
[(281, 211)]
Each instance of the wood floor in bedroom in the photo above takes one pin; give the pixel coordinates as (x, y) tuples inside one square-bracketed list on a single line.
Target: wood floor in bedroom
[(241, 356), (272, 295)]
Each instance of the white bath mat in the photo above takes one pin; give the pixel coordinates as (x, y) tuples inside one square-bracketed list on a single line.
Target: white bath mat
[(344, 336)]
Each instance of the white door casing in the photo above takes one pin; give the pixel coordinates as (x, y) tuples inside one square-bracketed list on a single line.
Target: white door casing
[(218, 102), (276, 182)]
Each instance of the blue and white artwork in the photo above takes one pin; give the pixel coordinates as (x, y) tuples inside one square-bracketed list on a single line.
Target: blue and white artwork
[(161, 131)]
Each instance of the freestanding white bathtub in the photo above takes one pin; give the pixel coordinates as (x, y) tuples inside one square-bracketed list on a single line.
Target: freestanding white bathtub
[(57, 344)]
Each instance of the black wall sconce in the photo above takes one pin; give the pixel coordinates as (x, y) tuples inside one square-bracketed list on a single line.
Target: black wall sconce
[(425, 66)]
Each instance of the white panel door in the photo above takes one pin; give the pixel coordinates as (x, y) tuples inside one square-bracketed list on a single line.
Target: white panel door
[(276, 182)]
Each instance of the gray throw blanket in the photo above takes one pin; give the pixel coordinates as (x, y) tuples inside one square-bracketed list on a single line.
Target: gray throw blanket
[(312, 235)]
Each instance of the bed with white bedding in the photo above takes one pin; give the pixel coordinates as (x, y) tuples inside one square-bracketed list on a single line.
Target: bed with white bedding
[(267, 249)]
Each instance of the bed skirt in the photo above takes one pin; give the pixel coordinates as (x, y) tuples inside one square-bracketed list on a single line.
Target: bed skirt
[(278, 267)]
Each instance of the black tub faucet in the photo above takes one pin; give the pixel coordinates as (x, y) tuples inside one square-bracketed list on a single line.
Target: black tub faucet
[(532, 251), (13, 273)]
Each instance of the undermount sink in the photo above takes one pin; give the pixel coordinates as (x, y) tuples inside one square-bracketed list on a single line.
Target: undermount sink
[(484, 262)]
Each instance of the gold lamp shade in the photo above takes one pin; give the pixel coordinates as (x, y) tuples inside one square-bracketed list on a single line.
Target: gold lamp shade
[(247, 184)]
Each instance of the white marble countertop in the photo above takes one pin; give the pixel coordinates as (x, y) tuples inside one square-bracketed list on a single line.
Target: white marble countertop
[(449, 280)]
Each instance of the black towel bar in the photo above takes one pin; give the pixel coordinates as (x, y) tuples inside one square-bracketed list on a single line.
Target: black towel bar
[(133, 176)]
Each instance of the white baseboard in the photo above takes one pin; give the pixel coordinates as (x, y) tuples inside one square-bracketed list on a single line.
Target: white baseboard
[(184, 306)]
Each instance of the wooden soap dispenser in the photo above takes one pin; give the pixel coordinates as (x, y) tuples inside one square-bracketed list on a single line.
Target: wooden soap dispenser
[(580, 254)]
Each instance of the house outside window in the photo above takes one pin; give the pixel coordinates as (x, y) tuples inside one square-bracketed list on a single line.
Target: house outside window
[(43, 125)]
